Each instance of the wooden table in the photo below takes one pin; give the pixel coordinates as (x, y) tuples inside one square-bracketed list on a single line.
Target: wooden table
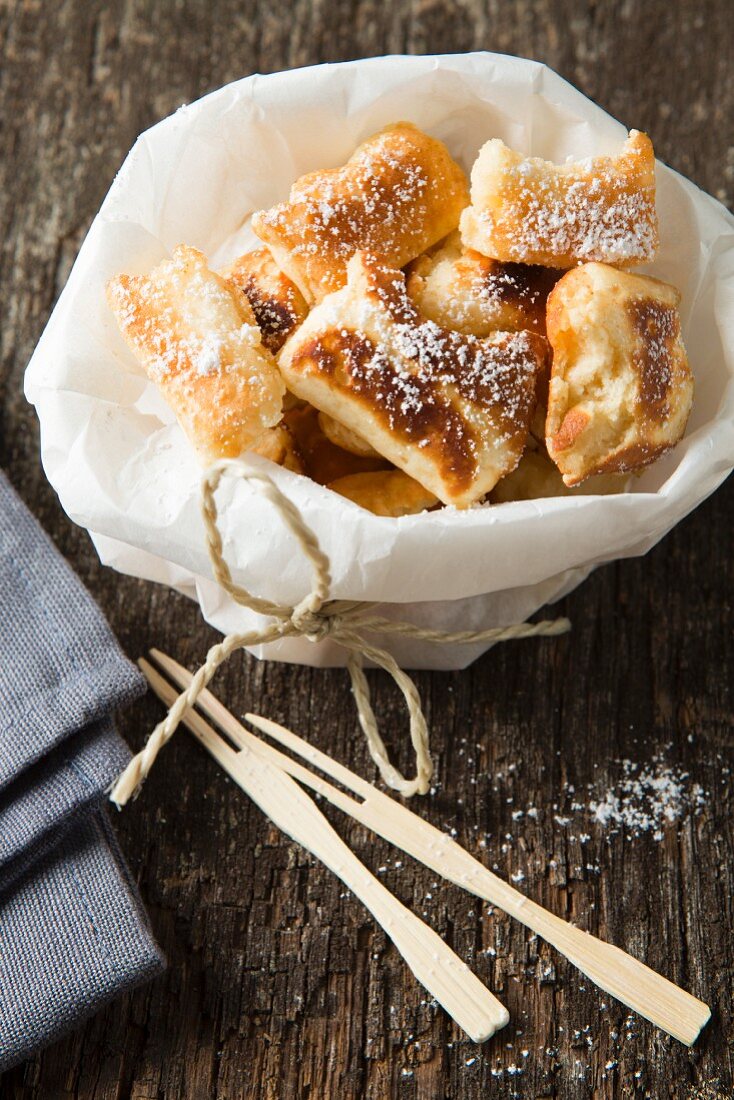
[(278, 985)]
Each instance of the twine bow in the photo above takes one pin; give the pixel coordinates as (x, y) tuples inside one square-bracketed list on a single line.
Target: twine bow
[(316, 617)]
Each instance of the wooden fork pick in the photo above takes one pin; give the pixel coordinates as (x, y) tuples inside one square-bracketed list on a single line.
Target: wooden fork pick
[(624, 977), (446, 977)]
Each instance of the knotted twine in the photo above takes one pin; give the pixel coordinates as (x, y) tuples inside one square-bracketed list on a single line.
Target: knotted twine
[(316, 617)]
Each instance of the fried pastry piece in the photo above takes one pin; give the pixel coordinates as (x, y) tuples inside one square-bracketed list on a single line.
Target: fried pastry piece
[(528, 210), (386, 493), (197, 339), (398, 194), (278, 445), (621, 387), (463, 290), (290, 401), (278, 304), (452, 411), (345, 437), (537, 423), (535, 476), (322, 460)]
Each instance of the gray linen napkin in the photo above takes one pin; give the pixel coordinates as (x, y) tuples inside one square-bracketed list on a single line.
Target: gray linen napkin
[(73, 935), (60, 665), (73, 931), (50, 795)]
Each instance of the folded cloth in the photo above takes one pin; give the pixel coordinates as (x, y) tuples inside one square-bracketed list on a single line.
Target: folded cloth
[(49, 796), (60, 665), (73, 935), (73, 931)]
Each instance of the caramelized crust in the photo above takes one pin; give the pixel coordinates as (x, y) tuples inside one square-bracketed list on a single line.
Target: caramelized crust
[(386, 493), (278, 305), (398, 194), (528, 210), (450, 410), (621, 387), (197, 339), (463, 290)]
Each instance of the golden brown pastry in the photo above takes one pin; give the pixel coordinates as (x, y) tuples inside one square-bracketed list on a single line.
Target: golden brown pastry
[(345, 437), (385, 492), (528, 210), (278, 304), (535, 476), (322, 460), (278, 445), (290, 401), (461, 289), (621, 387), (398, 194), (450, 410), (198, 341)]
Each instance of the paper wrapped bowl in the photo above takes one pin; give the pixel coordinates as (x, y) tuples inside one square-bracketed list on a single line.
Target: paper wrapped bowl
[(124, 471)]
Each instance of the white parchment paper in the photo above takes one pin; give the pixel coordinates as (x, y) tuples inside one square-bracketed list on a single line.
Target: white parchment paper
[(123, 469)]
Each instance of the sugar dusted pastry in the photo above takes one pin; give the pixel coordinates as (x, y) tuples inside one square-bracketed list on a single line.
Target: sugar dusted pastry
[(278, 304), (345, 437), (621, 387), (385, 492), (461, 289), (197, 339), (399, 193), (451, 411), (536, 476), (528, 210)]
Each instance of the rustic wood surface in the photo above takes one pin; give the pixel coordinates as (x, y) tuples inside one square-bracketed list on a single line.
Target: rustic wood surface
[(279, 986)]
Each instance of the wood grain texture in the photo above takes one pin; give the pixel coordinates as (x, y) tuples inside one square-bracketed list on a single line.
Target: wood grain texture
[(279, 986)]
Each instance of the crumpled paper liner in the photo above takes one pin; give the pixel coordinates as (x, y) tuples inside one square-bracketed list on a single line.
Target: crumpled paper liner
[(123, 469)]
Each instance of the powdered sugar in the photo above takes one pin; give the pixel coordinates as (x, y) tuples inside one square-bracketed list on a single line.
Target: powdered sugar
[(398, 194), (189, 329), (496, 373), (582, 220), (646, 799), (530, 210), (367, 204), (208, 358), (643, 798)]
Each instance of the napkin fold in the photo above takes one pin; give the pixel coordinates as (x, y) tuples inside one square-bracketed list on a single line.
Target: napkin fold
[(60, 665), (73, 935), (73, 930), (49, 796)]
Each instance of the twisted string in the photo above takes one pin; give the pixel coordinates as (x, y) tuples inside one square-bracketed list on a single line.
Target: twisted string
[(314, 617)]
